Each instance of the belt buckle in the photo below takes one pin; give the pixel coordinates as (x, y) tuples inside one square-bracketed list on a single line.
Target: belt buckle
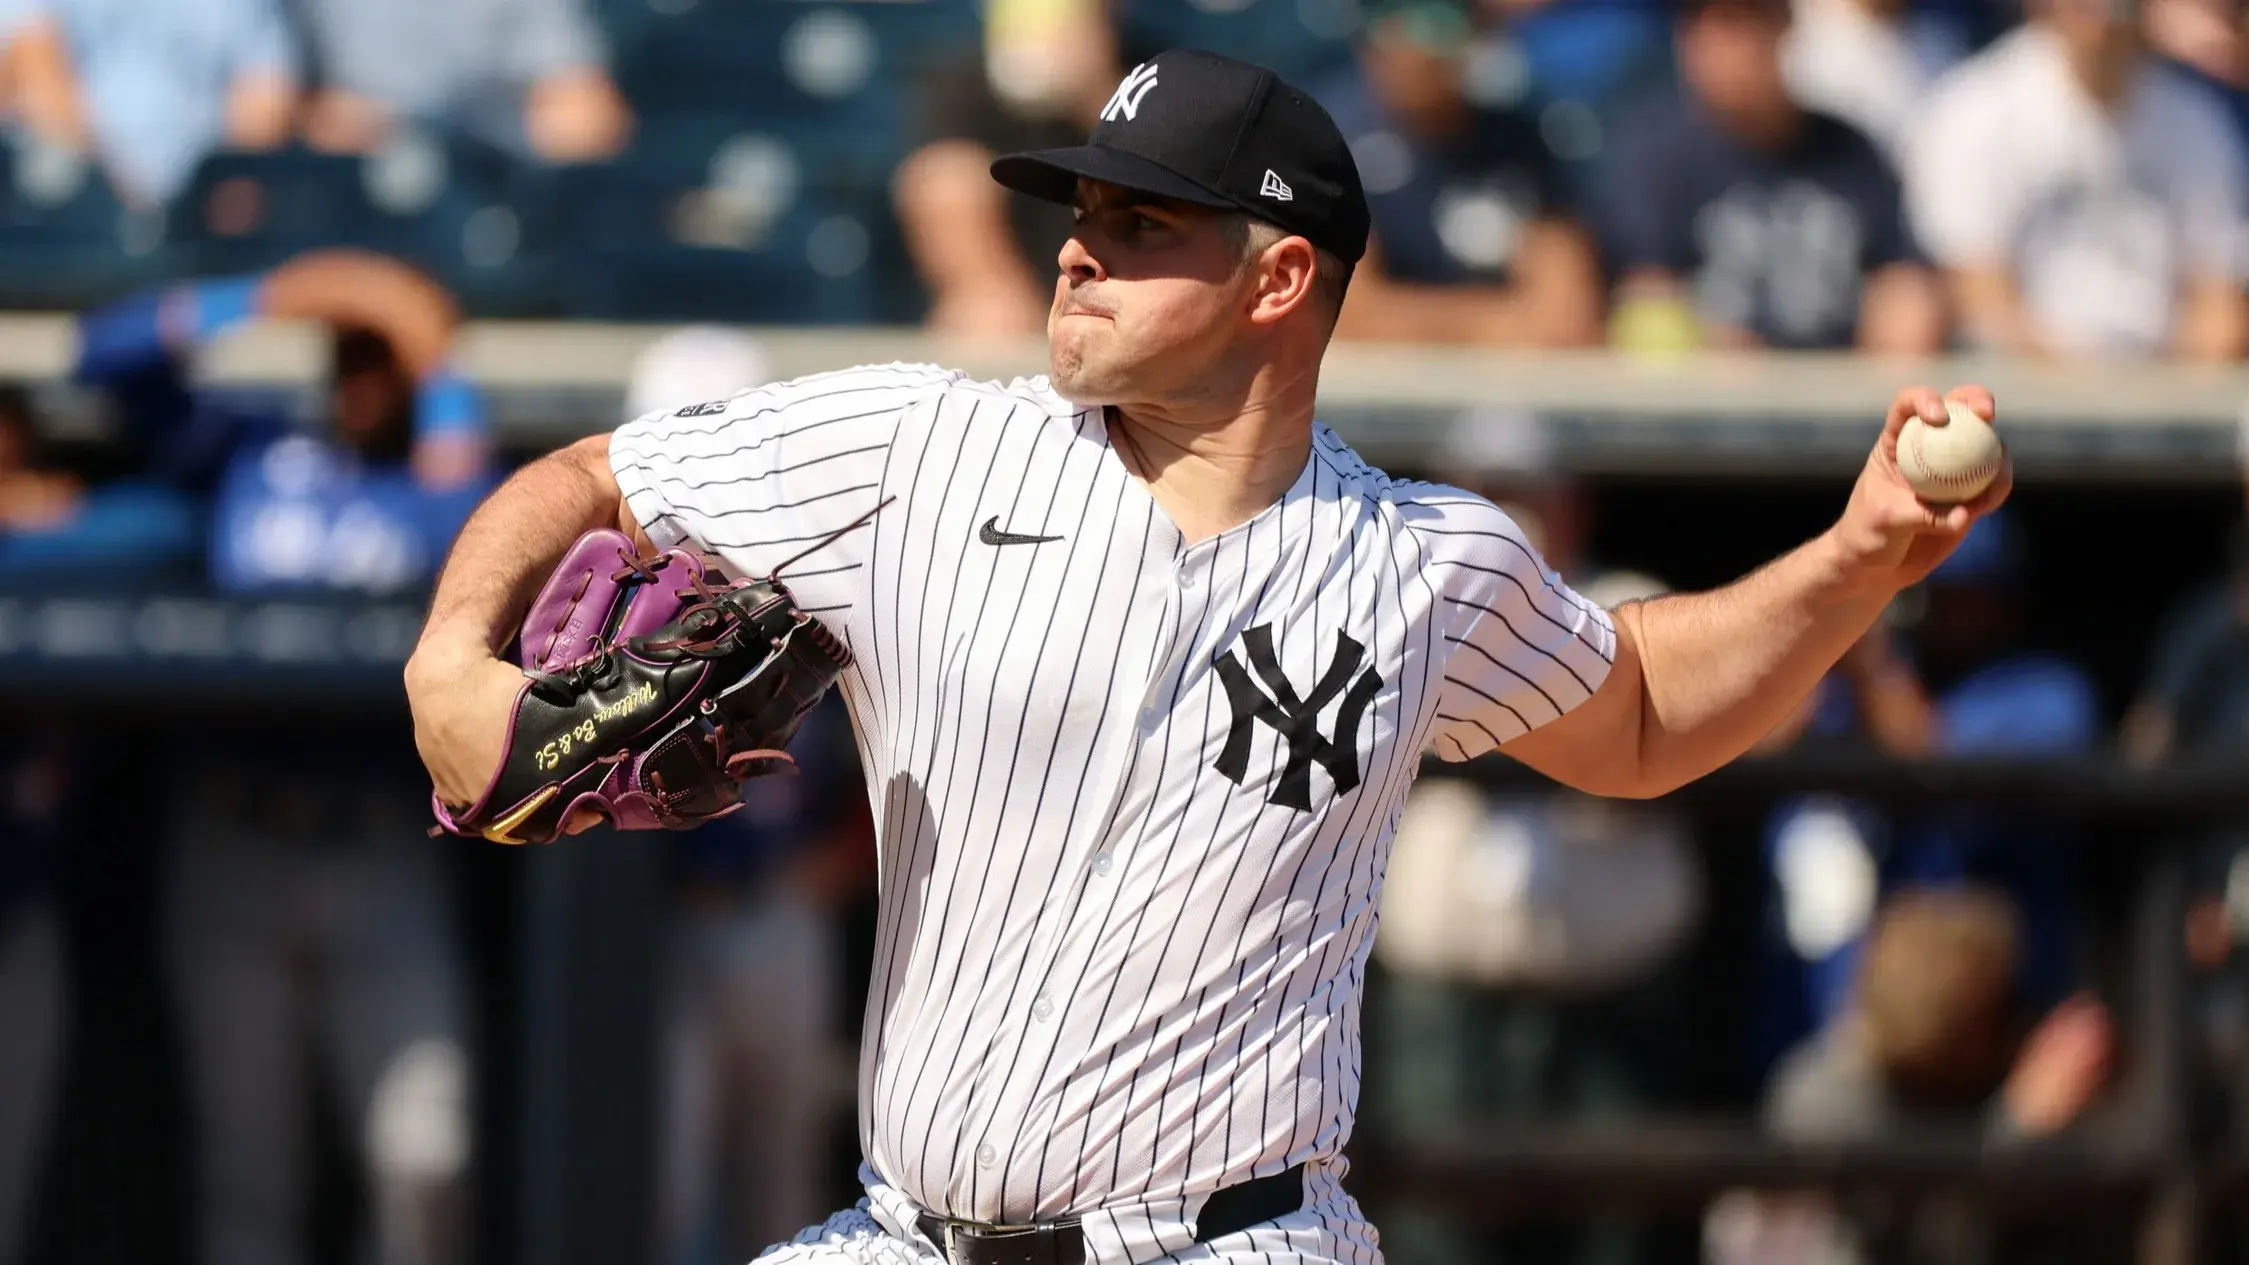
[(956, 1231)]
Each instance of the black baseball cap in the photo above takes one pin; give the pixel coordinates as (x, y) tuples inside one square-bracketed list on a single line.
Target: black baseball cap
[(1206, 129)]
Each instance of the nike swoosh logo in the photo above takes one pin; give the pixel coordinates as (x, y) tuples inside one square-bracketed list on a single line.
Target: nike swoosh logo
[(991, 534)]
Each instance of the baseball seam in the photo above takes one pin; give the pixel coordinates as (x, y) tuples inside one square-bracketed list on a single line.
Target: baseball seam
[(1989, 468)]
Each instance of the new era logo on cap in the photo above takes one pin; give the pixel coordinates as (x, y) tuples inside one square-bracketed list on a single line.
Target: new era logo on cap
[(1218, 134)]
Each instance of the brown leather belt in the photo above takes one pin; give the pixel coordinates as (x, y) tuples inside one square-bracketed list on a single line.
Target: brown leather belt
[(1229, 1209)]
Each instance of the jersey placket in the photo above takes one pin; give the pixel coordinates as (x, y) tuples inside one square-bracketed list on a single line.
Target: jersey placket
[(1010, 1142)]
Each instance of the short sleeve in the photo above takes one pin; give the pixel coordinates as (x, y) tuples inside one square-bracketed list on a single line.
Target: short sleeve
[(775, 472), (1519, 648)]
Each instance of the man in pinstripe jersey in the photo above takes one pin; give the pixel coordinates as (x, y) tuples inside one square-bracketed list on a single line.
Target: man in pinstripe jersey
[(1145, 660)]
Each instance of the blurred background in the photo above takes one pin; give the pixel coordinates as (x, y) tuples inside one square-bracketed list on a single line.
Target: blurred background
[(1952, 971)]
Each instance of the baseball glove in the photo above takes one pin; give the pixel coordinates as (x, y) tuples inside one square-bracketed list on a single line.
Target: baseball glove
[(654, 688)]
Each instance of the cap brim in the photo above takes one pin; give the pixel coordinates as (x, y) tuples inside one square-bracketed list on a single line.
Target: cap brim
[(1052, 175)]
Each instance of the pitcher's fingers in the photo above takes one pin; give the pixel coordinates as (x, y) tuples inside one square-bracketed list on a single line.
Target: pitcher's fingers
[(1910, 402), (1978, 399)]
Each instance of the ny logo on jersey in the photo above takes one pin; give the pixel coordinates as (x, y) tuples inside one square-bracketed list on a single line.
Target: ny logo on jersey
[(1297, 720), (1125, 101)]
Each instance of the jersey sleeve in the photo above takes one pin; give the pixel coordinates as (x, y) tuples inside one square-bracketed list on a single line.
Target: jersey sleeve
[(1519, 648), (774, 472)]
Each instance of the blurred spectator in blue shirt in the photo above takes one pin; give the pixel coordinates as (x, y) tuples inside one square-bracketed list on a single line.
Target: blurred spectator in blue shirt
[(1973, 687), (1773, 226), (1473, 240), (526, 75), (307, 913), (367, 501), (150, 86), (2108, 195)]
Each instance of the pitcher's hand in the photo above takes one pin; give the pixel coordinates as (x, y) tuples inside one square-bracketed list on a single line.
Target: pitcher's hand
[(463, 701), (1892, 539)]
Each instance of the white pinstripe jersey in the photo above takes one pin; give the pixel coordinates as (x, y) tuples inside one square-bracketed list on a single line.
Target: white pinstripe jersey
[(1134, 796)]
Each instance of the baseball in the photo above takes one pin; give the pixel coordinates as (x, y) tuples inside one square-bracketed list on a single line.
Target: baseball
[(1951, 463)]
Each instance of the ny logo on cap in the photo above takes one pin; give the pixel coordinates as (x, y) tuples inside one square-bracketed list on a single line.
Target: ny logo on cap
[(1275, 188), (1125, 101)]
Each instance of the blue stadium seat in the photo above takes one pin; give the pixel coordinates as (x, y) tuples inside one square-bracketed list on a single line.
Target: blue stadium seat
[(446, 205), (746, 233), (66, 241)]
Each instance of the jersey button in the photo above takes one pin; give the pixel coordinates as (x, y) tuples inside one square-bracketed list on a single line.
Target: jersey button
[(986, 1156), (1043, 1008), (1186, 579), (1101, 862)]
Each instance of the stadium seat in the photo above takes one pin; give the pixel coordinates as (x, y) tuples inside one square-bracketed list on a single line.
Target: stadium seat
[(747, 234), (65, 239), (444, 204)]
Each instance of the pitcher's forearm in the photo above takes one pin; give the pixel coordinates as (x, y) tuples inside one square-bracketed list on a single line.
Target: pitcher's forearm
[(1720, 670), (508, 547)]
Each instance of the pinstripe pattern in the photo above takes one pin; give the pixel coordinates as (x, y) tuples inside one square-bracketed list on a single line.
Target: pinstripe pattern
[(1109, 977)]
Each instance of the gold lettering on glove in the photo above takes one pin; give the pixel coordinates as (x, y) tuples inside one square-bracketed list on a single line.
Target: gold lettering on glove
[(555, 752)]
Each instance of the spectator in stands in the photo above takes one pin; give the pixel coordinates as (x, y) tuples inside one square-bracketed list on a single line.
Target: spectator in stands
[(1773, 226), (1933, 1033), (1932, 1039), (1045, 70), (526, 75), (307, 911), (1973, 687), (1531, 941), (2108, 202), (33, 992), (150, 86), (749, 1097), (1473, 240), (1870, 62)]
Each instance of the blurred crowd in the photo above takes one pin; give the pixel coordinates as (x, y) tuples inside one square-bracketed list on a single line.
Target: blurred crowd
[(1895, 176), (2047, 177)]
